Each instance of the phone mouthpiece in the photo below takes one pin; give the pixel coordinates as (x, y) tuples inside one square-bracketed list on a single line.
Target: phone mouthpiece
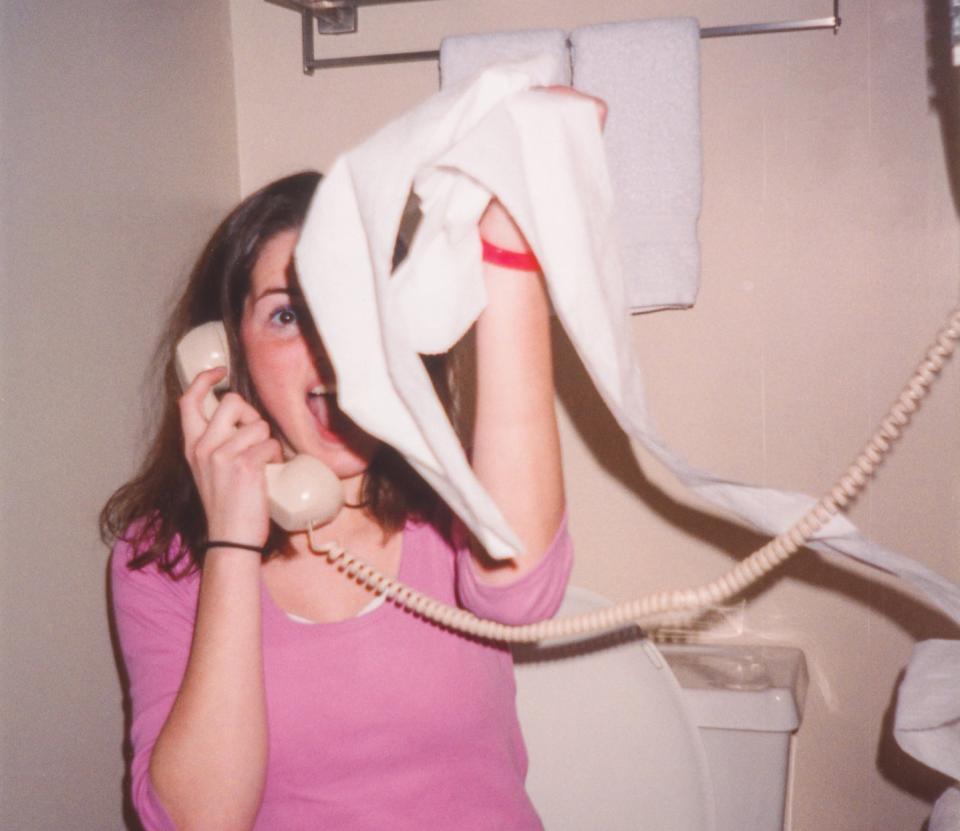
[(302, 492)]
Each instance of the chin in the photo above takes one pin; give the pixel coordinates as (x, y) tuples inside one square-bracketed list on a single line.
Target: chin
[(347, 468), (345, 461), (332, 438)]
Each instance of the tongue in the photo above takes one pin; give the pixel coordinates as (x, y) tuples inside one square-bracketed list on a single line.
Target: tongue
[(318, 405)]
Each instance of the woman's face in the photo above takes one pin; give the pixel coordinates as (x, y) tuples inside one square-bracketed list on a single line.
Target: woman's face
[(288, 378)]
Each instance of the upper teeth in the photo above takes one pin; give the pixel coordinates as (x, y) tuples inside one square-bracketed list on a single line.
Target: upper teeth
[(323, 389)]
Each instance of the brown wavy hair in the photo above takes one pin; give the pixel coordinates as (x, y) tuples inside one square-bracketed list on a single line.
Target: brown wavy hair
[(159, 511)]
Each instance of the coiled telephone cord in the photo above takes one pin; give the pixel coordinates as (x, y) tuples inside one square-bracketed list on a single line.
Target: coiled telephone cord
[(665, 604)]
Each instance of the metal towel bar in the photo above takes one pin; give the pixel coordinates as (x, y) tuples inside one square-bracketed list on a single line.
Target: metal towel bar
[(337, 17)]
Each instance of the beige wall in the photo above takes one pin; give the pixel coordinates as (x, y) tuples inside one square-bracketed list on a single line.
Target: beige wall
[(830, 253), (830, 257), (118, 154)]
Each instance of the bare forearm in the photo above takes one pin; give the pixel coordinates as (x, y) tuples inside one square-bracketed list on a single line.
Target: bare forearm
[(516, 441), (209, 762)]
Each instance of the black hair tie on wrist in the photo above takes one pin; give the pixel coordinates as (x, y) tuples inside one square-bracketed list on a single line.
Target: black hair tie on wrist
[(227, 544)]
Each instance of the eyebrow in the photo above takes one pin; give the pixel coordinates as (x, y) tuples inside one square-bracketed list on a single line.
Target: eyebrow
[(293, 295)]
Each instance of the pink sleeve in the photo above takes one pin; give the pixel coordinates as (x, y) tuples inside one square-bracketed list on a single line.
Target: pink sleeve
[(535, 596), (154, 617)]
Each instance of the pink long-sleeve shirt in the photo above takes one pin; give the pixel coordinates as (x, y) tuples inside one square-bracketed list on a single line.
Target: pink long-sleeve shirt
[(378, 721)]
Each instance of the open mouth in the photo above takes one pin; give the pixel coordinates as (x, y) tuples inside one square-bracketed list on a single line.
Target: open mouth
[(333, 424)]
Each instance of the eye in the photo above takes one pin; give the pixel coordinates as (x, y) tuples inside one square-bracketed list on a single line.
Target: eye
[(284, 316)]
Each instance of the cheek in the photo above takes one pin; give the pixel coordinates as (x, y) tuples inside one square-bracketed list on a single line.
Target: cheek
[(265, 366), (269, 365)]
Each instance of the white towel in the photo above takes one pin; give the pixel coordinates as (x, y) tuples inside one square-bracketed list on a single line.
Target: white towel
[(648, 72), (928, 708), (463, 57), (946, 812), (456, 149), (373, 323)]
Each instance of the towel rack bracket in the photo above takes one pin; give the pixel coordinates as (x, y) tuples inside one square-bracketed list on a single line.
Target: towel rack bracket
[(338, 20)]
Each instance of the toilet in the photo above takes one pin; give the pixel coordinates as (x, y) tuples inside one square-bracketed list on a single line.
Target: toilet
[(621, 734)]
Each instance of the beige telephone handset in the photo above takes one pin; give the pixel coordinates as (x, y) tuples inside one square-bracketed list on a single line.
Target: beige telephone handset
[(302, 492), (656, 607)]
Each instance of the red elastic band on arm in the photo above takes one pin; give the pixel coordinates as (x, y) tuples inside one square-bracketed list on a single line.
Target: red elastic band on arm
[(520, 261)]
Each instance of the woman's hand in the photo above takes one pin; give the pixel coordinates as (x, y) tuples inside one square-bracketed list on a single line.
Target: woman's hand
[(496, 225), (227, 455)]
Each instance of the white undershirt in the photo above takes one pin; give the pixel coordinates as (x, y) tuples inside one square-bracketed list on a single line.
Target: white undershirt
[(376, 602)]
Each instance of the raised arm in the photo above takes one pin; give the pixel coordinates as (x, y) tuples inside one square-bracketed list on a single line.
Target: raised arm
[(516, 445)]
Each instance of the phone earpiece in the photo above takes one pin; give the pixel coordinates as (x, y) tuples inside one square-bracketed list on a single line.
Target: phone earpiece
[(301, 492), (202, 348)]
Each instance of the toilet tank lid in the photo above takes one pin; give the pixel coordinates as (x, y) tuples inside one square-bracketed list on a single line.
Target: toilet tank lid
[(740, 686)]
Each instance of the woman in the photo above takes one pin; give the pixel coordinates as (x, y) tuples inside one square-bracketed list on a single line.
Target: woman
[(266, 691)]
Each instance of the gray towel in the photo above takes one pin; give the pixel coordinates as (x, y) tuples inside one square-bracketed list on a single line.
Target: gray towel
[(465, 56), (648, 72)]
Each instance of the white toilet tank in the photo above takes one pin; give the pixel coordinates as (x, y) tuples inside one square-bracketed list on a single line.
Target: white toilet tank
[(622, 735), (746, 701)]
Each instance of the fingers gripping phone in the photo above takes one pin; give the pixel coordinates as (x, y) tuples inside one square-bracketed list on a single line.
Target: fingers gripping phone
[(302, 491)]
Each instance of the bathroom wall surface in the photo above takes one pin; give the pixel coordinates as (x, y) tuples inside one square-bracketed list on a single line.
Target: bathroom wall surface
[(830, 258), (117, 156)]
